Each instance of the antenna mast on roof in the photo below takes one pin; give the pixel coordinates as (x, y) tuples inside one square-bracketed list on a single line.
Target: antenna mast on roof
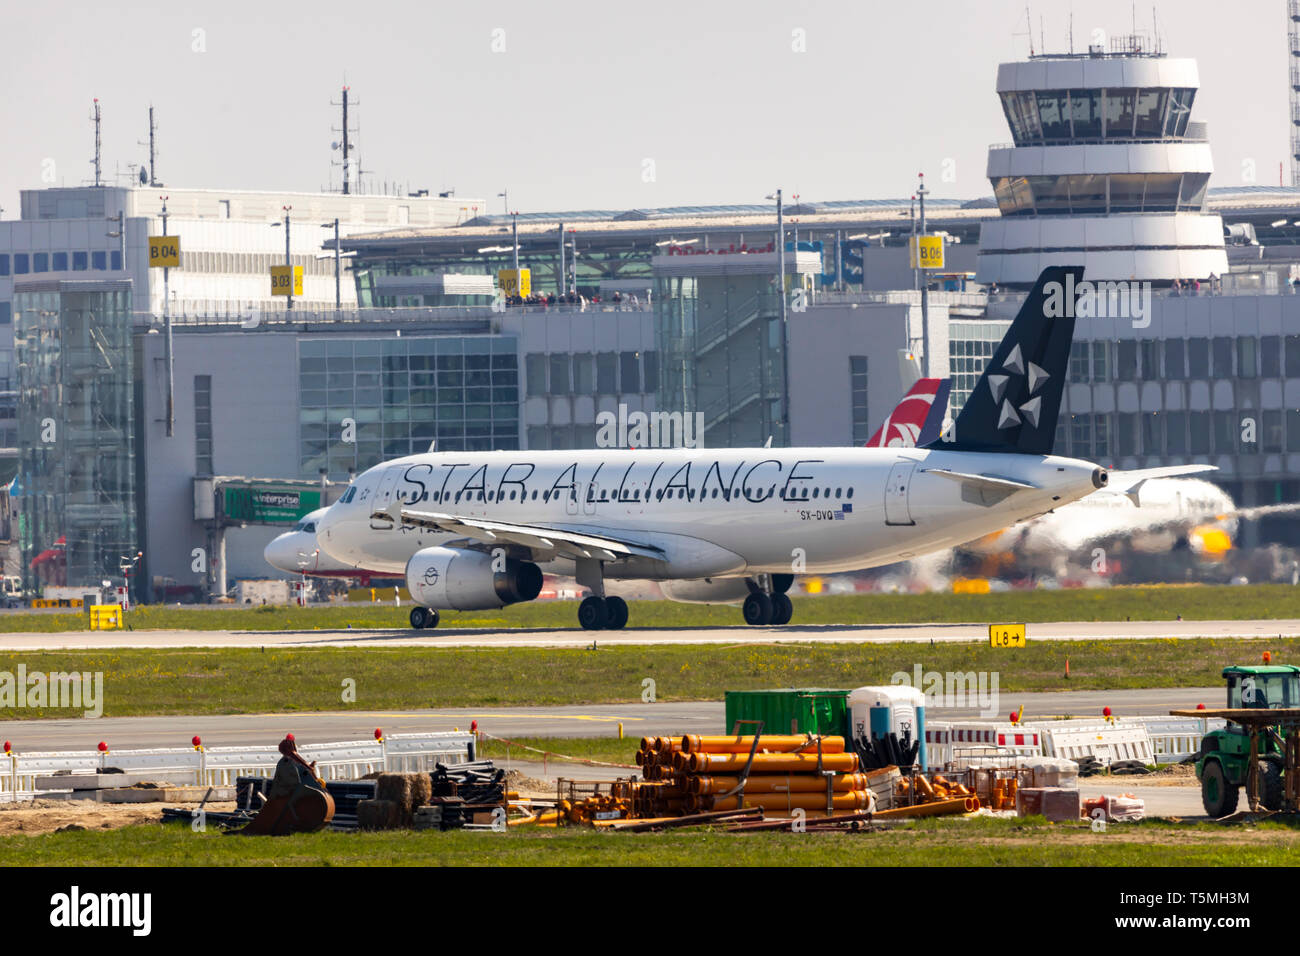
[(346, 146), (152, 172), (95, 117)]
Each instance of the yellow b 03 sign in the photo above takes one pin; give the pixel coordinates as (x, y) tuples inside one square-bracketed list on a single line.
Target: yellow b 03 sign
[(282, 276), (926, 252), (512, 282), (1006, 635), (164, 251)]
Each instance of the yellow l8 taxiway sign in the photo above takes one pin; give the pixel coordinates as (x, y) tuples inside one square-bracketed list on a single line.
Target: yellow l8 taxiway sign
[(1006, 635)]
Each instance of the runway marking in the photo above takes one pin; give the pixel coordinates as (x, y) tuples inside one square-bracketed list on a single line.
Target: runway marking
[(392, 715), (595, 717)]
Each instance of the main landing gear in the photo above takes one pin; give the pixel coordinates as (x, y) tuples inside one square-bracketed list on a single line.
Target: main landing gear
[(598, 612), (602, 613), (767, 602), (422, 617)]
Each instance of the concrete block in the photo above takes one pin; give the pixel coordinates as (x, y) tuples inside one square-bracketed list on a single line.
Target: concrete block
[(113, 781)]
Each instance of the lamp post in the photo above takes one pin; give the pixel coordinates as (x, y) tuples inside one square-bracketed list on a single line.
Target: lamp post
[(288, 261), (785, 325), (338, 295)]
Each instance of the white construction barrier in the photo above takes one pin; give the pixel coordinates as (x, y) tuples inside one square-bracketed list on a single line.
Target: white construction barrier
[(955, 743), (217, 766), (1108, 742), (1174, 739)]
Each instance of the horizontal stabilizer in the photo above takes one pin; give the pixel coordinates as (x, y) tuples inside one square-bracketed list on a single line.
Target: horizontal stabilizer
[(992, 482)]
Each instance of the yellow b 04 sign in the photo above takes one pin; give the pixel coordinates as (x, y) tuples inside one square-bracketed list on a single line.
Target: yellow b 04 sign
[(282, 276), (512, 282), (164, 251), (1006, 635), (926, 252)]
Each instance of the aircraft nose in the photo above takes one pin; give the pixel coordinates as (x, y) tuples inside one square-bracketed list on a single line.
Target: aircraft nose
[(291, 552), (277, 553)]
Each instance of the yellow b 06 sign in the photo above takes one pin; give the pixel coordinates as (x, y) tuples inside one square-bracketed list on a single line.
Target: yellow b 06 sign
[(283, 276), (164, 251), (1006, 635), (513, 282), (926, 252)]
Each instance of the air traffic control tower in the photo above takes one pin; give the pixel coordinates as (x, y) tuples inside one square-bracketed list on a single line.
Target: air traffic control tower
[(1105, 169)]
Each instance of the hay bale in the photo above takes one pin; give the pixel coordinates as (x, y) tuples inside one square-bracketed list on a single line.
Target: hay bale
[(377, 815), (421, 790), (397, 788)]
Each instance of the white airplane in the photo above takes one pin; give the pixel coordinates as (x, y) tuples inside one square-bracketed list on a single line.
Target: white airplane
[(475, 530), (1152, 516), (916, 419)]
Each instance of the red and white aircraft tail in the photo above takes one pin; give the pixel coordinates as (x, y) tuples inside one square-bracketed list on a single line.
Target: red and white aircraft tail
[(917, 419)]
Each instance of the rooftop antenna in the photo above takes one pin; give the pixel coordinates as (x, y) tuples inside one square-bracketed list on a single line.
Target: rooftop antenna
[(150, 177), (1071, 29), (1029, 28), (345, 146), (96, 161)]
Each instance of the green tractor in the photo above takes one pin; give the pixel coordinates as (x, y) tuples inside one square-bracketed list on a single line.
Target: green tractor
[(1223, 763)]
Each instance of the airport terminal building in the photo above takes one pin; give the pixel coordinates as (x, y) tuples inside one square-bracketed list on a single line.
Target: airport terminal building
[(673, 309)]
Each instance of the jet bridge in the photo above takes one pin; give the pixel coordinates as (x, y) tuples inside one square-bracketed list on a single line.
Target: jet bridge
[(232, 501)]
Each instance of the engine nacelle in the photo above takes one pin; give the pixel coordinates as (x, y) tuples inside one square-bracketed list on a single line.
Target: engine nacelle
[(706, 590), (459, 580)]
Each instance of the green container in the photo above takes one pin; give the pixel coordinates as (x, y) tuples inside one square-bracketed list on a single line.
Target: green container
[(790, 710)]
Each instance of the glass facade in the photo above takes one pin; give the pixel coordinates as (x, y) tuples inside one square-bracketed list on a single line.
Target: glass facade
[(1098, 194), (364, 400), (75, 412), (1043, 117), (970, 345), (721, 350)]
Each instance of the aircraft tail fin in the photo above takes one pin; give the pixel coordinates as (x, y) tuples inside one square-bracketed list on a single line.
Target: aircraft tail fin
[(917, 418), (1015, 404)]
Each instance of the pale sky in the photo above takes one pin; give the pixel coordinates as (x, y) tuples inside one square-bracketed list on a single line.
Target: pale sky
[(588, 104)]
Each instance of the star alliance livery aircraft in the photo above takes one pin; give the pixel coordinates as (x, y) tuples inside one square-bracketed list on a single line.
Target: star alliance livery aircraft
[(475, 530)]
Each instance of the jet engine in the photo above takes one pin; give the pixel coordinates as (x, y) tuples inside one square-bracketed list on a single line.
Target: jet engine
[(460, 580)]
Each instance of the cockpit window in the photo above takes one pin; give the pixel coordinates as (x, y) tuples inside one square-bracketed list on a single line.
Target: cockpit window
[(309, 526), (348, 495)]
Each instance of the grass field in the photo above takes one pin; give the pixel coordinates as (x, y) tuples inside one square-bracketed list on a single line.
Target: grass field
[(158, 681), (1199, 602), (947, 843)]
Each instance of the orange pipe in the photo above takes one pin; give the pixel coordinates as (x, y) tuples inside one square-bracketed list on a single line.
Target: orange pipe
[(776, 743), (854, 800), (936, 809), (779, 783), (772, 763)]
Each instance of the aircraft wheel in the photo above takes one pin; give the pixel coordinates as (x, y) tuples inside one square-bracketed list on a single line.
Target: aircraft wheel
[(782, 609), (593, 613), (422, 617), (757, 609), (617, 608)]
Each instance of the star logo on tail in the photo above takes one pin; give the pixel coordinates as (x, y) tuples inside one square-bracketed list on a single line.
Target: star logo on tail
[(1008, 415)]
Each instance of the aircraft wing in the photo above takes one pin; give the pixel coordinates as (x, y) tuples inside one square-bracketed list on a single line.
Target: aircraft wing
[(542, 541)]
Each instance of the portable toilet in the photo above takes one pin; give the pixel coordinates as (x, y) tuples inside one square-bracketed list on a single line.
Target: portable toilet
[(898, 708)]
